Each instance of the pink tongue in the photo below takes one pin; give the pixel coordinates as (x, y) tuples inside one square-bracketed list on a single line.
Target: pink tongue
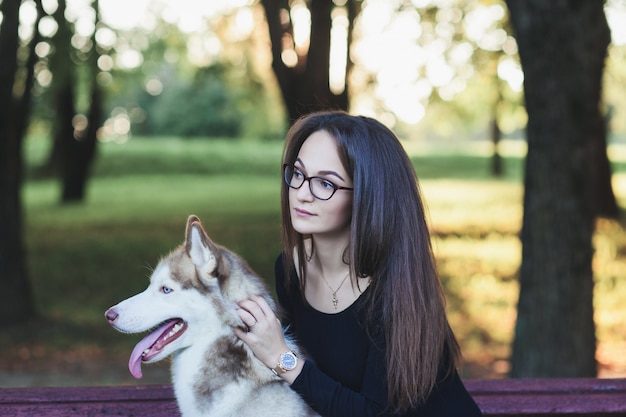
[(134, 363)]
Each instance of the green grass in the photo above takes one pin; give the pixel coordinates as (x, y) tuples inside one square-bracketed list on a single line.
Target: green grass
[(83, 258), (138, 200)]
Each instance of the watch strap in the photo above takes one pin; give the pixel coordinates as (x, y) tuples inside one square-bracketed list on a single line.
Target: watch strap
[(278, 370)]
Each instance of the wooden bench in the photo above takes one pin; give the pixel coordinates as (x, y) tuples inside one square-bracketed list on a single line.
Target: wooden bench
[(585, 397), (580, 397)]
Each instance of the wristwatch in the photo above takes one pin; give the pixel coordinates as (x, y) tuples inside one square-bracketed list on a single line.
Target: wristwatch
[(286, 362)]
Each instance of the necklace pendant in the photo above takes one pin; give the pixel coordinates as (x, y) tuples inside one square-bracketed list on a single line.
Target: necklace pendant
[(334, 299)]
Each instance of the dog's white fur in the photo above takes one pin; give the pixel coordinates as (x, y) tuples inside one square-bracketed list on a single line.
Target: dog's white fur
[(213, 372)]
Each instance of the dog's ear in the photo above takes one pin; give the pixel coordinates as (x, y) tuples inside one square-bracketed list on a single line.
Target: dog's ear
[(199, 247)]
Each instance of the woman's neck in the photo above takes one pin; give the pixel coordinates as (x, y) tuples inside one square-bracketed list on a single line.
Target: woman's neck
[(329, 287), (328, 256)]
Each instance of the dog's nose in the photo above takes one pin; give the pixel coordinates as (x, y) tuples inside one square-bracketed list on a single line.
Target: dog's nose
[(111, 315)]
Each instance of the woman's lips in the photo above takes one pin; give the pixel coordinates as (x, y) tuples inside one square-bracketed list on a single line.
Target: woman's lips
[(302, 212)]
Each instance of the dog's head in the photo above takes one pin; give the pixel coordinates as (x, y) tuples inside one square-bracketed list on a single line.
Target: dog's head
[(192, 296)]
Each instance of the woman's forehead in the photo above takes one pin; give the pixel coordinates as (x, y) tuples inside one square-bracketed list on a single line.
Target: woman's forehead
[(319, 153)]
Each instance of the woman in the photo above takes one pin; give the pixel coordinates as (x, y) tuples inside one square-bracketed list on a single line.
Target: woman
[(357, 280)]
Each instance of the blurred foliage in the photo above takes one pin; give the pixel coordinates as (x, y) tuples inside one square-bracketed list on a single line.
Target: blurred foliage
[(203, 107), (180, 91), (155, 84), (458, 69)]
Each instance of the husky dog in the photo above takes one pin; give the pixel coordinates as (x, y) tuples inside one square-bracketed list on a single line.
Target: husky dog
[(190, 310)]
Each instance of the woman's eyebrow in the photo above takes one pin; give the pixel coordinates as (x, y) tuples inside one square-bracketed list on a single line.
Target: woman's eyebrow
[(332, 173), (322, 172)]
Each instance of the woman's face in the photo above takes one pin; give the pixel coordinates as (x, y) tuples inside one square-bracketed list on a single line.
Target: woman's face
[(318, 157)]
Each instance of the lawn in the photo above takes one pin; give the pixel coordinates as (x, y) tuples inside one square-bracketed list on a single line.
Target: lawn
[(82, 258)]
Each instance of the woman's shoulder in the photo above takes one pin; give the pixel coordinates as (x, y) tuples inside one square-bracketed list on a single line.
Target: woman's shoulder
[(285, 282), (279, 269), (279, 263)]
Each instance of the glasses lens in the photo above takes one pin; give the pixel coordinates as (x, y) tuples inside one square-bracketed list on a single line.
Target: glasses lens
[(321, 188), (293, 177)]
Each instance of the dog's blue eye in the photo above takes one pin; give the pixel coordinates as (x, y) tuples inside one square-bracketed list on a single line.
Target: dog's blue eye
[(166, 290)]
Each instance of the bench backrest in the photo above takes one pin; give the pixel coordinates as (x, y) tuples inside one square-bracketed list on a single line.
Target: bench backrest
[(578, 397)]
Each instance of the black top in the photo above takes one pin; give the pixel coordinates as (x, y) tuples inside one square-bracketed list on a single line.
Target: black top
[(344, 374)]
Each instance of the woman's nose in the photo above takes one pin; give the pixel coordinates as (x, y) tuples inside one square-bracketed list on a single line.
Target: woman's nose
[(304, 192)]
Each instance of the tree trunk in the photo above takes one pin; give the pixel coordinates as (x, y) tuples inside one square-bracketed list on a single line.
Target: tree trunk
[(24, 103), (72, 181), (74, 144), (495, 135), (603, 198), (562, 46), (16, 301), (305, 86), (78, 142)]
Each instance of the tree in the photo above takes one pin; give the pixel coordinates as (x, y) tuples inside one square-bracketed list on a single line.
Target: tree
[(75, 135), (16, 302), (604, 203), (562, 46), (302, 70)]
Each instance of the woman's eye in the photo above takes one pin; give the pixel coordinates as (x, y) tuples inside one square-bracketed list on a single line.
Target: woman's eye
[(297, 174), (327, 184), (166, 290)]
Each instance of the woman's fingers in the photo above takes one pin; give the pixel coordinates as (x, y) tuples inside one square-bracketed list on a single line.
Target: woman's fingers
[(252, 306), (256, 311), (264, 334), (263, 306), (247, 317)]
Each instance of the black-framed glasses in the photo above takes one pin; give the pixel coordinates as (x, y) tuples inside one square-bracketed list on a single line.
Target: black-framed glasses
[(321, 188)]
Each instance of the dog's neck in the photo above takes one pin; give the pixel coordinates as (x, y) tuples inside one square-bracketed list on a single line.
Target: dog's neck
[(202, 386)]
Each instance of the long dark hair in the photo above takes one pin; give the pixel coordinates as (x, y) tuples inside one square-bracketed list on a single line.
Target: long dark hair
[(390, 243)]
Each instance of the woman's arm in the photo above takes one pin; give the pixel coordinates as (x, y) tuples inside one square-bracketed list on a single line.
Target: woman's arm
[(326, 395), (367, 392), (330, 398)]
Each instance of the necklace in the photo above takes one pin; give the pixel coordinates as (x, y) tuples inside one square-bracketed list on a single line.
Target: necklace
[(335, 300)]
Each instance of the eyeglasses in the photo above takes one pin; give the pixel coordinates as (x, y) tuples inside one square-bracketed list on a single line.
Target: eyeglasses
[(321, 188)]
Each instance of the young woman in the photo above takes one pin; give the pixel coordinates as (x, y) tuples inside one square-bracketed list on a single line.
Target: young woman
[(357, 280)]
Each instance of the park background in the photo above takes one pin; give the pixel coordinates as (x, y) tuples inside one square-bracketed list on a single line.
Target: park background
[(193, 122)]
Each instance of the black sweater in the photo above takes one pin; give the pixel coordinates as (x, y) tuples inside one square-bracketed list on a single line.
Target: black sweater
[(344, 374)]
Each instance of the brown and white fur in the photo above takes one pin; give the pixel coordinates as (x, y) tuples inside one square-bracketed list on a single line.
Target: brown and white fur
[(189, 307)]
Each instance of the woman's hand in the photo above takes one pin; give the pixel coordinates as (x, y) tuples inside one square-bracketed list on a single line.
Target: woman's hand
[(265, 334)]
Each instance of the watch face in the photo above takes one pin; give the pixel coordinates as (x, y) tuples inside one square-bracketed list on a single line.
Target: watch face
[(288, 361)]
